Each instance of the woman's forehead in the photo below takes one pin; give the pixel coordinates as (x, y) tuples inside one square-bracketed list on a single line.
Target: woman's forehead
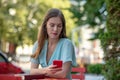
[(55, 20)]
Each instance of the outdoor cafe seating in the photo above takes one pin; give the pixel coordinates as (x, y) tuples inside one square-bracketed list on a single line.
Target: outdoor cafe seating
[(78, 73)]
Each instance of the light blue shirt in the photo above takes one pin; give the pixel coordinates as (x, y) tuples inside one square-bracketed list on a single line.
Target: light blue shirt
[(64, 51)]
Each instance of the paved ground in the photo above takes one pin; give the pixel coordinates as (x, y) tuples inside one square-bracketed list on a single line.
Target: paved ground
[(26, 68), (94, 77)]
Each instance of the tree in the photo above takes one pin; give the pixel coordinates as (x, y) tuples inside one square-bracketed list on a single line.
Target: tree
[(88, 12), (91, 12), (111, 41), (108, 35)]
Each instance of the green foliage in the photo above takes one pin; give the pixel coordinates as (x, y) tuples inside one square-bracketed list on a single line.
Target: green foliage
[(110, 41), (112, 69), (109, 35), (87, 11), (94, 68)]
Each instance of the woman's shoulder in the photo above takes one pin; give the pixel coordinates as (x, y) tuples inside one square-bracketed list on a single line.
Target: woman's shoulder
[(66, 40), (35, 44)]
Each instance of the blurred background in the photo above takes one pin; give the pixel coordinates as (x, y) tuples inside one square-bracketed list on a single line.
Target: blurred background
[(85, 20)]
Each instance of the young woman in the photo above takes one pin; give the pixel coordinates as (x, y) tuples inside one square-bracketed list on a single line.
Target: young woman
[(52, 44)]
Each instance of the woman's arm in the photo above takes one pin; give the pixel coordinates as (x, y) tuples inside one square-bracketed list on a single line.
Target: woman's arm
[(46, 70), (35, 70)]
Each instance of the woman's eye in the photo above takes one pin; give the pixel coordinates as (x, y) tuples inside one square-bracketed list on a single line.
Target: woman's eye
[(52, 25), (59, 26)]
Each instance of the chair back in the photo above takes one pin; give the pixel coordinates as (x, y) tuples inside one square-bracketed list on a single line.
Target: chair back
[(78, 73)]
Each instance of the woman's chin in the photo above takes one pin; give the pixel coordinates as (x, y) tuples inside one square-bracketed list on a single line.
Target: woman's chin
[(54, 37)]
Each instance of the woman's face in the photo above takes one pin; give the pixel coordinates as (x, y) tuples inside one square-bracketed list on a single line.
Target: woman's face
[(54, 27)]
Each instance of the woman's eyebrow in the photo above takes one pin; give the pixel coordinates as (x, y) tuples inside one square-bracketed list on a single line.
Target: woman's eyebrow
[(55, 23)]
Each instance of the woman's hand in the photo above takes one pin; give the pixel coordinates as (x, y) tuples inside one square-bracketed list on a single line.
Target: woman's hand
[(59, 72), (50, 70)]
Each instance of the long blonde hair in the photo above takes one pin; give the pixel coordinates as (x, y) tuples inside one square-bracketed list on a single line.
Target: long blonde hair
[(42, 34)]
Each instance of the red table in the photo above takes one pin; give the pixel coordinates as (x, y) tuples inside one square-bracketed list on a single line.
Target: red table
[(25, 77)]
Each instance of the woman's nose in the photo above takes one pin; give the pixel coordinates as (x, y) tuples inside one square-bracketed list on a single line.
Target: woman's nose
[(55, 28)]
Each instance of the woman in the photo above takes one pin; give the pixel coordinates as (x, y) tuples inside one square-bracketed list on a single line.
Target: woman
[(52, 44)]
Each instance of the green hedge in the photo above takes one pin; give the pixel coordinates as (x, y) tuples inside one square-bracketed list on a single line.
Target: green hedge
[(94, 68)]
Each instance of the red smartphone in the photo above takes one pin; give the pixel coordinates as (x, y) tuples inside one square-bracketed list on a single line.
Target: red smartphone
[(58, 63)]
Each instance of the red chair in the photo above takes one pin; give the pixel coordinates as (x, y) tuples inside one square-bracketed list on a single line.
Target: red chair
[(78, 73)]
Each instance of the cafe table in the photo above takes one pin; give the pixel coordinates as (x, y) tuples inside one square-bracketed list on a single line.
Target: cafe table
[(26, 77)]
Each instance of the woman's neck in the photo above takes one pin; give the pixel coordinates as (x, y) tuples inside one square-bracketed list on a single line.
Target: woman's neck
[(53, 41)]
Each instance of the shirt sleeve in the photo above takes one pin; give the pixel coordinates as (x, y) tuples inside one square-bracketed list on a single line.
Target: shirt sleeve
[(33, 60), (68, 52)]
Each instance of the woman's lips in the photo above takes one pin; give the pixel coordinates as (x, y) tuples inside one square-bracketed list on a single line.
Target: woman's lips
[(55, 33)]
